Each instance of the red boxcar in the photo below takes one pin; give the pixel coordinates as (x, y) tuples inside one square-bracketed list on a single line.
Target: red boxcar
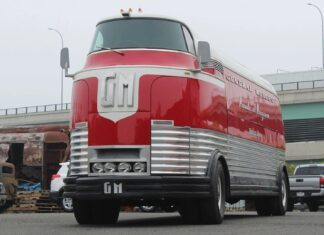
[(158, 118)]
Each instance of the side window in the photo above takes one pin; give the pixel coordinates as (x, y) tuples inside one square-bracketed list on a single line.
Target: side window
[(189, 40), (99, 43)]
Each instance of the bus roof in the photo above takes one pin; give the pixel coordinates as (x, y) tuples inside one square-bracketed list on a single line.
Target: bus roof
[(220, 57)]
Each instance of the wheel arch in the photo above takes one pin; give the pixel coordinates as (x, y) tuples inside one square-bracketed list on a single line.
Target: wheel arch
[(283, 170), (219, 156)]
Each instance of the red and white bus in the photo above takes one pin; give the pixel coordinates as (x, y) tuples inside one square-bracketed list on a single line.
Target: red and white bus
[(159, 118)]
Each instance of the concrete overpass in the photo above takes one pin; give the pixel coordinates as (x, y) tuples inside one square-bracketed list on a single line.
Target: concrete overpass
[(35, 115), (301, 96)]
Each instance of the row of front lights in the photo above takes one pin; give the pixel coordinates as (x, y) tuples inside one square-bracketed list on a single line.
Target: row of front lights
[(110, 167)]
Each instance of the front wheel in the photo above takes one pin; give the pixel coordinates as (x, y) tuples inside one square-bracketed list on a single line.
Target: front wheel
[(212, 209), (82, 211)]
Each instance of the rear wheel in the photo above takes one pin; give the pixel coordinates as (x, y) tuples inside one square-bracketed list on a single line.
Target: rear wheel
[(280, 202), (212, 209), (263, 206), (312, 206)]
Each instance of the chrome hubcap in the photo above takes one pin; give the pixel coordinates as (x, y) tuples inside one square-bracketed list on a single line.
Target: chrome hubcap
[(284, 193), (67, 203), (219, 186)]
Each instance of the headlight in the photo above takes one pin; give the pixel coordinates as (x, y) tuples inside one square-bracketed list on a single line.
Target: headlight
[(110, 167), (98, 168), (124, 167), (139, 167)]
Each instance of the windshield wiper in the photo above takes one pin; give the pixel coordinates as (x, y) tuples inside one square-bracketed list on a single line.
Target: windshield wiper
[(108, 48)]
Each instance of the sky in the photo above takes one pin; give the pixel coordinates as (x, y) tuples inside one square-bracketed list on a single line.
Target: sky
[(265, 36)]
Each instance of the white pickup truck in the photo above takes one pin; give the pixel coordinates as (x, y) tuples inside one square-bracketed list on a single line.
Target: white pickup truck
[(307, 186)]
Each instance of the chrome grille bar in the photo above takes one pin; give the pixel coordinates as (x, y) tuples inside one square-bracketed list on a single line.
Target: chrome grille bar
[(79, 152), (169, 150)]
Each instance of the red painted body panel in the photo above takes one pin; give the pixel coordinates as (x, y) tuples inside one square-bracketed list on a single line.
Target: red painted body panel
[(142, 57), (253, 112), (134, 130), (187, 101), (80, 99)]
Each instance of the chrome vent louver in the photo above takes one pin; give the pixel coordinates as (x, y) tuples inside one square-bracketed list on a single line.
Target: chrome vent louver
[(169, 150), (183, 150), (79, 151)]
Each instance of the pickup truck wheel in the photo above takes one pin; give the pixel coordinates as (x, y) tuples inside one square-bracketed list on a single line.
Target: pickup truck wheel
[(82, 211), (280, 202), (105, 212), (312, 206), (212, 209)]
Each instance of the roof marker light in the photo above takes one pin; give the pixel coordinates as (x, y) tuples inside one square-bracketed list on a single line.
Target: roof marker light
[(125, 14)]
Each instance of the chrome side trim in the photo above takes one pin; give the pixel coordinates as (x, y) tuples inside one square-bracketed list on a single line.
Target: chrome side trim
[(202, 144), (184, 150), (252, 161)]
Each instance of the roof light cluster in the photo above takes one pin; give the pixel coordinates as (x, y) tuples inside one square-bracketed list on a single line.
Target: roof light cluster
[(130, 10)]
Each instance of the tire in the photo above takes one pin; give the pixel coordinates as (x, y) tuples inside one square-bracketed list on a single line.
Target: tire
[(105, 212), (189, 211), (82, 211), (212, 209), (263, 206), (147, 208), (312, 206), (280, 203), (67, 204)]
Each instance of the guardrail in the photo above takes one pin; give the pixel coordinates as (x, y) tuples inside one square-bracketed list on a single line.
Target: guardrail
[(298, 85), (35, 109)]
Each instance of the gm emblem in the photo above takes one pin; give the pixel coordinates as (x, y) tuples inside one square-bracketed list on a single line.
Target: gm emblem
[(118, 91), (113, 188)]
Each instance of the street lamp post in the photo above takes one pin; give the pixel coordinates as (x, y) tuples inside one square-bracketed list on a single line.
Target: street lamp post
[(319, 10), (62, 72)]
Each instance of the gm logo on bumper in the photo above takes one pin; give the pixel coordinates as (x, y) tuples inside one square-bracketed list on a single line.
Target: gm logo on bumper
[(115, 188)]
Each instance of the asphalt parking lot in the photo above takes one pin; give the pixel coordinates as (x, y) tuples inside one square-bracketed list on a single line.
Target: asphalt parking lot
[(164, 223)]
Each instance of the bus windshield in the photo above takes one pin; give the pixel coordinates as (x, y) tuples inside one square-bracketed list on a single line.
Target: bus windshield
[(141, 33)]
